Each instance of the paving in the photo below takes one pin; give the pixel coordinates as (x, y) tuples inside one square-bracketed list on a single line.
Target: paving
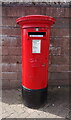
[(57, 105)]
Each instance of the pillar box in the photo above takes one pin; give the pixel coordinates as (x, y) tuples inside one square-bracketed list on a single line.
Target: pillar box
[(35, 51)]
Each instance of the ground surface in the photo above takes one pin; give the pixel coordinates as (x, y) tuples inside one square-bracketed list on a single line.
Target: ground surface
[(57, 105)]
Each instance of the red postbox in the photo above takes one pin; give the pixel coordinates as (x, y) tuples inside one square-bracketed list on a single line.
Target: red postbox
[(35, 51)]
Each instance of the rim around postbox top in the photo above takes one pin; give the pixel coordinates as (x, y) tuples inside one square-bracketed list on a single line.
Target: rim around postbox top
[(38, 19)]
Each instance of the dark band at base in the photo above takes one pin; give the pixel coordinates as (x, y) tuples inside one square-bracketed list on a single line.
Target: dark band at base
[(34, 98)]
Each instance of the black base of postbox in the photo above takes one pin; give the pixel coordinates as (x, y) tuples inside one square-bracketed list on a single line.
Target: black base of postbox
[(34, 98)]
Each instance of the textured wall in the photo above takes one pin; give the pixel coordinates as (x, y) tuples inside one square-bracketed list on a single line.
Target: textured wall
[(35, 0), (11, 42)]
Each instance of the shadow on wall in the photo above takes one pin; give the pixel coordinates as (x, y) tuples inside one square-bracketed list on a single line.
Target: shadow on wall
[(57, 102)]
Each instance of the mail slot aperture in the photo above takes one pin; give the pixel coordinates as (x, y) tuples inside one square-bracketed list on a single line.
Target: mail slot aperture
[(36, 34)]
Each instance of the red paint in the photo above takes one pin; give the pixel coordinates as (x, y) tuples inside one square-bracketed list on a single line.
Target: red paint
[(35, 65)]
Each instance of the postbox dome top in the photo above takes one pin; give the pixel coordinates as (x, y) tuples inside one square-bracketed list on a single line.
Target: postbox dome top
[(38, 19)]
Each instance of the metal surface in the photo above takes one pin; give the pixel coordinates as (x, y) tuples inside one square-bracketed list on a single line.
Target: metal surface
[(35, 56)]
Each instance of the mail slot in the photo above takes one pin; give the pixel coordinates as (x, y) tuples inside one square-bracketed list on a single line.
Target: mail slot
[(35, 51), (36, 34)]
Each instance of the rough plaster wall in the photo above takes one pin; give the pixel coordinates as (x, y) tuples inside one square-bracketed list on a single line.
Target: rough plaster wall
[(11, 42)]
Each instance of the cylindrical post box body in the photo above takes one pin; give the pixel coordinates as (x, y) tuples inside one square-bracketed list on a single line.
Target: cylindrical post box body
[(35, 52)]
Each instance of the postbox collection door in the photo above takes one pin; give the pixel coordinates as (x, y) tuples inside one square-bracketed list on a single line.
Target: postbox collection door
[(35, 50)]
